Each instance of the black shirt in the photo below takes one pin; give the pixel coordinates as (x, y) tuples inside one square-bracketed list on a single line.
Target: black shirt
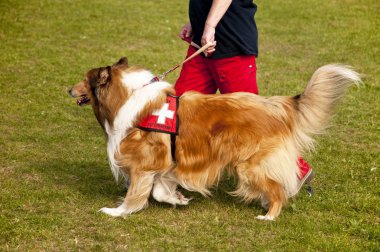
[(236, 32)]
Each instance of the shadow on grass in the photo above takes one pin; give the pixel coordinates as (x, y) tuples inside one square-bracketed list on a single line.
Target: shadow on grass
[(95, 181), (220, 195), (90, 178)]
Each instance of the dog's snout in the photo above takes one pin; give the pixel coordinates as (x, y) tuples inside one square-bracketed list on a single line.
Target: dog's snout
[(71, 92)]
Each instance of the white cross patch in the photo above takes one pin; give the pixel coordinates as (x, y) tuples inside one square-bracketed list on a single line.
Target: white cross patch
[(164, 113)]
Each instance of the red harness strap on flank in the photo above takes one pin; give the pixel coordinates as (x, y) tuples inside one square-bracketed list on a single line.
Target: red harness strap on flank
[(163, 120)]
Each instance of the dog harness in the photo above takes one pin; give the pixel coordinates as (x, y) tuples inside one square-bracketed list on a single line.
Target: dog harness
[(164, 120)]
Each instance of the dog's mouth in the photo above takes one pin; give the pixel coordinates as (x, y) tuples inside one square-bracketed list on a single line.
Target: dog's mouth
[(83, 100)]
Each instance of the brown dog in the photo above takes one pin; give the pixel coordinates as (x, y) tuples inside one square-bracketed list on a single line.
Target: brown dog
[(257, 138)]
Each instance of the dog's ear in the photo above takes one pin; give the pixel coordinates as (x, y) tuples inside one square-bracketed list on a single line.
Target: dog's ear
[(104, 76), (123, 61)]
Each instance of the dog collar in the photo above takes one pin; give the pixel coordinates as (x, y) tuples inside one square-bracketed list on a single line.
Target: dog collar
[(155, 79)]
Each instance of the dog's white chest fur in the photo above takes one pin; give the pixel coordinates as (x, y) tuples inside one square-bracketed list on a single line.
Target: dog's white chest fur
[(126, 116)]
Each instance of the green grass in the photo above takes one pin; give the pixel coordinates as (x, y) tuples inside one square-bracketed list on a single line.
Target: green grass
[(54, 173)]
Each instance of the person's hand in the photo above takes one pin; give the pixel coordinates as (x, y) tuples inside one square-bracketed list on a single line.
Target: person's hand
[(209, 36), (186, 32)]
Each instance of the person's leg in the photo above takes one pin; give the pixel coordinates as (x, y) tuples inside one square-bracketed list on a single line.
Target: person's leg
[(235, 74), (195, 76), (306, 175)]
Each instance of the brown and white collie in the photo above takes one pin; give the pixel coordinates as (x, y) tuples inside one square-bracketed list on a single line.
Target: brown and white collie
[(256, 138)]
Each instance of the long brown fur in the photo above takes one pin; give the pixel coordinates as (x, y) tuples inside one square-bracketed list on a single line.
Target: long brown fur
[(258, 138)]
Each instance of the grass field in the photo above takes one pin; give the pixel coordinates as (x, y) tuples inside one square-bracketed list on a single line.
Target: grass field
[(54, 174)]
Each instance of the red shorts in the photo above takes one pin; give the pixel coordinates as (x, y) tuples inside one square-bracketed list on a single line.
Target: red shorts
[(205, 75)]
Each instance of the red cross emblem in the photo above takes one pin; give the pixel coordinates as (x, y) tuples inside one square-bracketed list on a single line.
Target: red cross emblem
[(164, 119)]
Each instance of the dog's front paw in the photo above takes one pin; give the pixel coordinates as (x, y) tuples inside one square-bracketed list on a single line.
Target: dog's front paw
[(265, 217), (115, 212)]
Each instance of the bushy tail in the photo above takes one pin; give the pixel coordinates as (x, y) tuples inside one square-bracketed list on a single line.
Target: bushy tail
[(317, 103)]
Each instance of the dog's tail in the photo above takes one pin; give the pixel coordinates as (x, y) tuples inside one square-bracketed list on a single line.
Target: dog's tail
[(315, 106)]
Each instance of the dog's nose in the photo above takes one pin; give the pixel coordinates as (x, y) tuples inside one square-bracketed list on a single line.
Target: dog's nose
[(71, 92)]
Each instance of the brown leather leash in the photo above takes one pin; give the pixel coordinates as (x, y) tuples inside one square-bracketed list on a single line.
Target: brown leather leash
[(163, 75)]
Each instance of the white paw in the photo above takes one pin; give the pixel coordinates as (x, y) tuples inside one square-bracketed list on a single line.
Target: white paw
[(115, 212), (265, 217)]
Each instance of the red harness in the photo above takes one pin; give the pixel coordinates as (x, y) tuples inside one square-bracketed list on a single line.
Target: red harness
[(164, 120)]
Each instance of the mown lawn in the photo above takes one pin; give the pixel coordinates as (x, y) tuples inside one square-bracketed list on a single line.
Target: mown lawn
[(54, 174)]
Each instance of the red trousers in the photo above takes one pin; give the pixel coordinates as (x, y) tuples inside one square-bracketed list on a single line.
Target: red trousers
[(235, 74), (205, 75)]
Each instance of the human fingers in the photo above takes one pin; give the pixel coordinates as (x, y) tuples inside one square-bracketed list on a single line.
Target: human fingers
[(186, 31), (208, 35)]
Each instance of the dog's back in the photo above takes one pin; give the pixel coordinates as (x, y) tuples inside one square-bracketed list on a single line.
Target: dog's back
[(225, 130)]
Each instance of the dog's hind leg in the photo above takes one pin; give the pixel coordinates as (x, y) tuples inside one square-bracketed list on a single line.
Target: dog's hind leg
[(137, 196), (165, 190), (244, 187), (275, 196), (254, 184)]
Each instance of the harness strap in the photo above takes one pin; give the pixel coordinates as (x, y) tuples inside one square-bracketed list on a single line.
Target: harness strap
[(172, 145)]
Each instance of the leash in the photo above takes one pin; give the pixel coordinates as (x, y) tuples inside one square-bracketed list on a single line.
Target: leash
[(163, 75)]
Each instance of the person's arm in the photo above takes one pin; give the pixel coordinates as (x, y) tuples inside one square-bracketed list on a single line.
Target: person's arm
[(217, 11)]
